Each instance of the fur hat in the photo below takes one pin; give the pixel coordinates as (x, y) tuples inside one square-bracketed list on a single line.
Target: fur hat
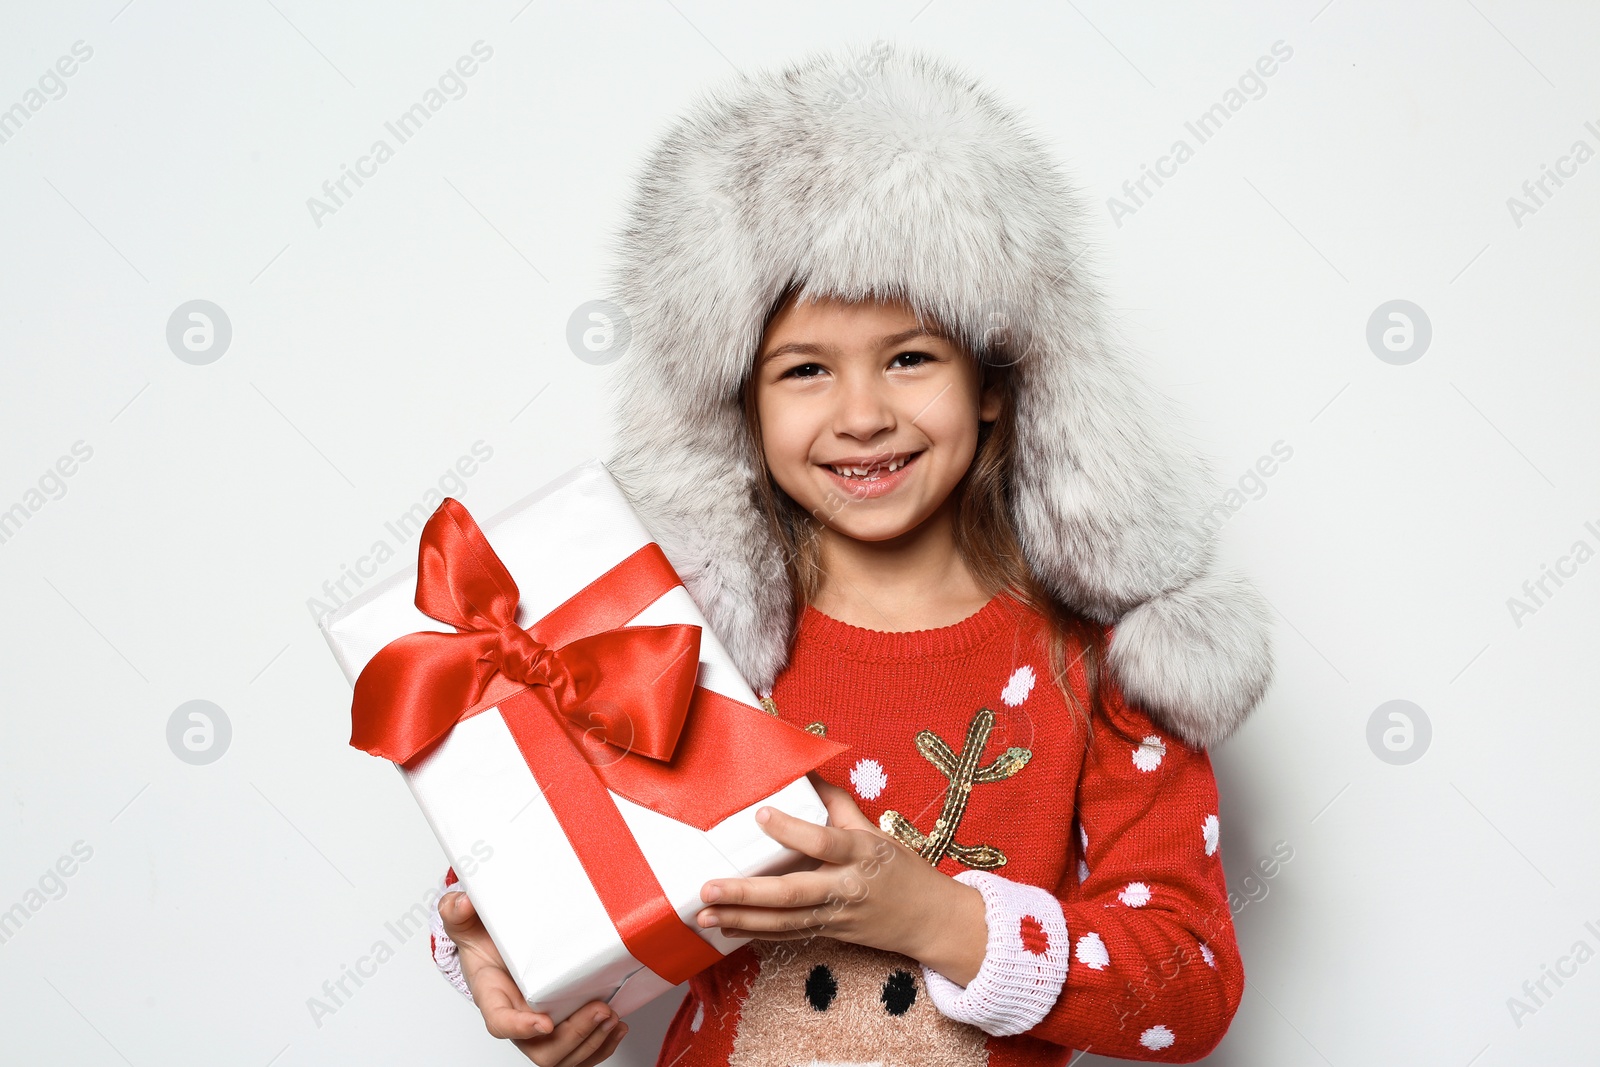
[(884, 172)]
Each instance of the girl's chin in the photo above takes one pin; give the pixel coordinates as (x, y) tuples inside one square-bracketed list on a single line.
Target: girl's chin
[(885, 524)]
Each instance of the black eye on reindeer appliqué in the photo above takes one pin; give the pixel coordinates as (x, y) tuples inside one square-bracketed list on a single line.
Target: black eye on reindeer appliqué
[(821, 987), (899, 992)]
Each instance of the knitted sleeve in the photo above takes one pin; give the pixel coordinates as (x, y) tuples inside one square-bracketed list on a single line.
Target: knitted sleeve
[(1134, 955), (1155, 971), (443, 949)]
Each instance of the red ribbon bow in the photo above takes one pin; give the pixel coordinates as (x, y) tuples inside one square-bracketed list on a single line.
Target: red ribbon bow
[(666, 743)]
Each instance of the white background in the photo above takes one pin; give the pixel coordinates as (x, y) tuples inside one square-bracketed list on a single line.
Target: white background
[(430, 312)]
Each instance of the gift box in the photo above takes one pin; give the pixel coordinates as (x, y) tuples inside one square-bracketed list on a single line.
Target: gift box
[(560, 710)]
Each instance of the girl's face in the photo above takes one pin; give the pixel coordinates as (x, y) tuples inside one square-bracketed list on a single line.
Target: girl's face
[(861, 385)]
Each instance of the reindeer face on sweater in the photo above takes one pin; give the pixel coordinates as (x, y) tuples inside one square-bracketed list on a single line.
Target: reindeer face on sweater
[(821, 1001)]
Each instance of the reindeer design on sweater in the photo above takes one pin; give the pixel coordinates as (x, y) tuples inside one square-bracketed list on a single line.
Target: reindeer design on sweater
[(821, 1000), (963, 771)]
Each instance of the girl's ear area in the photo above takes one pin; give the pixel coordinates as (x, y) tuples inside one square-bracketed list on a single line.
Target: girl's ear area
[(992, 393)]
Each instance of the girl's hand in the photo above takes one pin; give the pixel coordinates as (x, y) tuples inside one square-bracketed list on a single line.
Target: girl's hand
[(870, 890), (578, 1041)]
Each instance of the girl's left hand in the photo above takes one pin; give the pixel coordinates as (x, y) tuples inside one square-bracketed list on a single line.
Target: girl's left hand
[(870, 889)]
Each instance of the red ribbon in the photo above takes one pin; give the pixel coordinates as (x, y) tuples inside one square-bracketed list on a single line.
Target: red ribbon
[(581, 678)]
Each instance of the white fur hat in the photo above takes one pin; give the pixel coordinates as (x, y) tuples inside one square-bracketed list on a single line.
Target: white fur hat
[(884, 172)]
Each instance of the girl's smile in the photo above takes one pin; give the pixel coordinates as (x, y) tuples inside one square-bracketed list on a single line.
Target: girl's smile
[(865, 477)]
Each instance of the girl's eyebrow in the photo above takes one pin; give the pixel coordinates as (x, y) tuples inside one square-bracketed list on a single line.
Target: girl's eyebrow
[(887, 341)]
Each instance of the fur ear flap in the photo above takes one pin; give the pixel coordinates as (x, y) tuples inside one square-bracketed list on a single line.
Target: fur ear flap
[(1197, 658)]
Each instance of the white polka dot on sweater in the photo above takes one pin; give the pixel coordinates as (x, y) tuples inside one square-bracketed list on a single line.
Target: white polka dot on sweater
[(1207, 955), (1136, 895), (1092, 952), (699, 1017), (1211, 830), (1083, 871), (1018, 688), (868, 778), (1157, 1037), (1147, 757)]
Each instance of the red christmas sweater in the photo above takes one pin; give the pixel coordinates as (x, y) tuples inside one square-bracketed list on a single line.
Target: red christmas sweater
[(1106, 907)]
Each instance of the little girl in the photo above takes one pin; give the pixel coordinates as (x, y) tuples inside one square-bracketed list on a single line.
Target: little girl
[(871, 413)]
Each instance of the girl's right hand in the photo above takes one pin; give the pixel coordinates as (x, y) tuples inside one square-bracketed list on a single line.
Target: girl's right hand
[(577, 1041)]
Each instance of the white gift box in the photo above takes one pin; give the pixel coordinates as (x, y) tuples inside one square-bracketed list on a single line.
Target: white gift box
[(475, 788)]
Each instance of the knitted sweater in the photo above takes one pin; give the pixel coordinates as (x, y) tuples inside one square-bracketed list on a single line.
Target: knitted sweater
[(1106, 909)]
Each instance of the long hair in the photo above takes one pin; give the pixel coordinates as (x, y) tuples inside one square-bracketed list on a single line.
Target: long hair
[(984, 533)]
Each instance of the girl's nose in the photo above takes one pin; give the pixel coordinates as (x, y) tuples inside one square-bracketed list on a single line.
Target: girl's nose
[(863, 408)]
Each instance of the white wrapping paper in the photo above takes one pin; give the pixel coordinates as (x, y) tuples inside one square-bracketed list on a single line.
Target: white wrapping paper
[(474, 787)]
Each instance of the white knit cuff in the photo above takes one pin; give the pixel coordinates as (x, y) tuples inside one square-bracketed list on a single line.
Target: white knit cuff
[(1024, 960), (445, 955)]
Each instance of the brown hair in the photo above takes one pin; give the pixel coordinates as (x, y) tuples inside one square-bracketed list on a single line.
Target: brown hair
[(984, 533)]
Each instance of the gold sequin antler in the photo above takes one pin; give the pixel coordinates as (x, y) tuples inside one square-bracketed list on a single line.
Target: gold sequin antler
[(963, 772)]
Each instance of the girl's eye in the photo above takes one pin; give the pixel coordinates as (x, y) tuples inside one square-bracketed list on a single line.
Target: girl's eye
[(799, 371)]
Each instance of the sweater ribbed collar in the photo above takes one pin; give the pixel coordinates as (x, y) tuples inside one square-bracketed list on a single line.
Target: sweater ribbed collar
[(859, 643)]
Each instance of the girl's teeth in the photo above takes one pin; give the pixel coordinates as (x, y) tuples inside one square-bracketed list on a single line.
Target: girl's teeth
[(861, 472)]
